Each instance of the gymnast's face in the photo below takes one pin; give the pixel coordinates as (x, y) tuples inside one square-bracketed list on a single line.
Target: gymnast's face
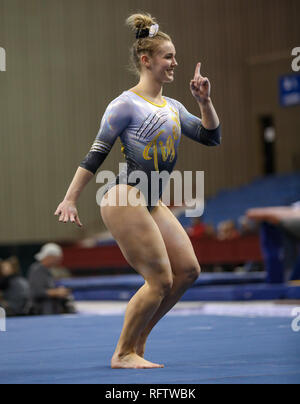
[(163, 63)]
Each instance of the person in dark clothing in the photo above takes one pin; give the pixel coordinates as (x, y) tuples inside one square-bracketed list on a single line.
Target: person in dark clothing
[(280, 241), (14, 289), (47, 298)]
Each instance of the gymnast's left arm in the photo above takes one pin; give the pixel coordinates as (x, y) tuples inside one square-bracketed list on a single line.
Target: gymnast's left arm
[(206, 130)]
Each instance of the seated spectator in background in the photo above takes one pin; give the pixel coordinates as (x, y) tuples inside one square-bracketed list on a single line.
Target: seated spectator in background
[(227, 230), (280, 240), (47, 298), (200, 229), (248, 227), (14, 289), (210, 231)]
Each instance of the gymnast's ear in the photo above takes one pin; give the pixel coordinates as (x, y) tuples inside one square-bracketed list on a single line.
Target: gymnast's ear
[(145, 60)]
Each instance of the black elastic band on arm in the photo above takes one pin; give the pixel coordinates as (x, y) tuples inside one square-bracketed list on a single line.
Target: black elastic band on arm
[(211, 137), (93, 161)]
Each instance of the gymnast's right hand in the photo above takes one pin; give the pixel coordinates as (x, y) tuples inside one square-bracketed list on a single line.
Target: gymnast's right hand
[(67, 211)]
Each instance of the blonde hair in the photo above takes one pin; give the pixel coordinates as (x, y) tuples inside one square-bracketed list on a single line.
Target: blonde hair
[(143, 45)]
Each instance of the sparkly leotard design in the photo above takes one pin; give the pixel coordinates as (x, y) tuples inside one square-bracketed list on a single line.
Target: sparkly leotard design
[(150, 136)]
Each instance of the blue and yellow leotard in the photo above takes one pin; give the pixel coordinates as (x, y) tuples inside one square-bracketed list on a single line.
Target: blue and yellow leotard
[(149, 133)]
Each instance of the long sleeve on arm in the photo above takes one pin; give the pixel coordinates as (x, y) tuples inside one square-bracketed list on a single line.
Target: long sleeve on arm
[(116, 118), (192, 128)]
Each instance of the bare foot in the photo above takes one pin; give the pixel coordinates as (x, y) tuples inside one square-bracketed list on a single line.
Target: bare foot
[(132, 361)]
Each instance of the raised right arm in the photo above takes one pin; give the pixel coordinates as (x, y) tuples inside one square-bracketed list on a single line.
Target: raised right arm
[(115, 120)]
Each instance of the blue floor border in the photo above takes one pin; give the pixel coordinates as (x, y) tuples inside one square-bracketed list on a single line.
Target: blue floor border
[(194, 349)]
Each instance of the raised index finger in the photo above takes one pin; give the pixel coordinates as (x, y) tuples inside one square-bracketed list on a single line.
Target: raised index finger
[(198, 71)]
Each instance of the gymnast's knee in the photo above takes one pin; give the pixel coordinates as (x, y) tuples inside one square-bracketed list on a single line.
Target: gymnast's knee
[(163, 287), (191, 273)]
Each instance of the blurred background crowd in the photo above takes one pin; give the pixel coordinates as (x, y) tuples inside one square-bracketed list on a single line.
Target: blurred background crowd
[(37, 290)]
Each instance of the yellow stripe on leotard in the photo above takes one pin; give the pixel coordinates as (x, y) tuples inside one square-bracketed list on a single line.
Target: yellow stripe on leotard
[(160, 106)]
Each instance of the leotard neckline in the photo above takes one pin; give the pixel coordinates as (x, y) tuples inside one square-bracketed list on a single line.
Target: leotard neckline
[(157, 105)]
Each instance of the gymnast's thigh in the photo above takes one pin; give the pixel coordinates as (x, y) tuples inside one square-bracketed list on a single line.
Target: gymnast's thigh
[(180, 250), (138, 237)]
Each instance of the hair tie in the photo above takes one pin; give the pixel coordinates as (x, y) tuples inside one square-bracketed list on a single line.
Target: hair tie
[(148, 32), (142, 33), (153, 30)]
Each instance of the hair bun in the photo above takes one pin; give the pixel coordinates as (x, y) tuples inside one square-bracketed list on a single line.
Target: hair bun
[(140, 22)]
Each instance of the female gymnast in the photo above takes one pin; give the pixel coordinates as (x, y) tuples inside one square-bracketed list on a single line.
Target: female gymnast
[(150, 237)]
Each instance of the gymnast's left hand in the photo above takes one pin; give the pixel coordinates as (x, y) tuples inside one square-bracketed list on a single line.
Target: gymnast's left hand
[(200, 86), (67, 211)]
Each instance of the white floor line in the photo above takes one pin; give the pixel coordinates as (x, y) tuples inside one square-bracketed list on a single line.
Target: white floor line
[(238, 309)]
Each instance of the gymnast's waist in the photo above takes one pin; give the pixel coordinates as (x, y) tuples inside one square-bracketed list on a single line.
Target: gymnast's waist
[(132, 168)]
